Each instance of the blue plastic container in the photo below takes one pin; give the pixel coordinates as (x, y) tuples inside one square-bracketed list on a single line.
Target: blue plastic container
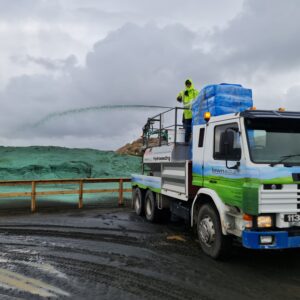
[(221, 99)]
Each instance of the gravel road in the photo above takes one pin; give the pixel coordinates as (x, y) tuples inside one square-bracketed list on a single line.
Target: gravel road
[(106, 253)]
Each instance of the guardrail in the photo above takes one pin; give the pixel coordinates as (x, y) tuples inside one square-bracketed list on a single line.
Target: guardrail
[(80, 191)]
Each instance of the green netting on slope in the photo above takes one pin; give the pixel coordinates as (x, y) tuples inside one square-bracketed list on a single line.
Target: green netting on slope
[(29, 163), (36, 163)]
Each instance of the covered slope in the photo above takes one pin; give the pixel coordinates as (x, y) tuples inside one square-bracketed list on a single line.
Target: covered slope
[(28, 163)]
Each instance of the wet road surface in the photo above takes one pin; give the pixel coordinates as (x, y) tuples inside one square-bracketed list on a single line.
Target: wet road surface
[(114, 254)]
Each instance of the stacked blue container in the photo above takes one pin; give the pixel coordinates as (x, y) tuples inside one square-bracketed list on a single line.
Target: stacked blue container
[(221, 99)]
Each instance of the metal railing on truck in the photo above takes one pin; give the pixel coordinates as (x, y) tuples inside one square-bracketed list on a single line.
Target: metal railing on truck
[(80, 191), (155, 127)]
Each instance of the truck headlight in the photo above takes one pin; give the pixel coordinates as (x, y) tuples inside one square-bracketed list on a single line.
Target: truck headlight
[(264, 221)]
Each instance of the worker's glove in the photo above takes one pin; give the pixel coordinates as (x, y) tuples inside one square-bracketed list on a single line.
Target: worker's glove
[(186, 93), (179, 98)]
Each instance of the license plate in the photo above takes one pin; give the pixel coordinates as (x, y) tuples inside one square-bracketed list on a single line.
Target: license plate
[(292, 218)]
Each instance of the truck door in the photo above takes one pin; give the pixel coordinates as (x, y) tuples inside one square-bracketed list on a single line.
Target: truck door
[(198, 154), (222, 157)]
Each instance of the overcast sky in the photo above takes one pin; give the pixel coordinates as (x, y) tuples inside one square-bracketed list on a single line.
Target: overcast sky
[(60, 55)]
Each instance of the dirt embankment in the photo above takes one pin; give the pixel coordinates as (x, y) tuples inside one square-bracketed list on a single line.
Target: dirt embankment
[(136, 147)]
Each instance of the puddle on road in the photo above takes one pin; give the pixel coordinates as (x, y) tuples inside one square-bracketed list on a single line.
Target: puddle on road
[(10, 279), (179, 238), (24, 251), (47, 268)]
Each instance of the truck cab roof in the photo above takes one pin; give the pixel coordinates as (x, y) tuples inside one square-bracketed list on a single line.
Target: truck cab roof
[(257, 114)]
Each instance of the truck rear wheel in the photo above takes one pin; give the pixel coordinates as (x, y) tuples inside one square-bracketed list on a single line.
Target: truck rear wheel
[(151, 211), (211, 238), (138, 201)]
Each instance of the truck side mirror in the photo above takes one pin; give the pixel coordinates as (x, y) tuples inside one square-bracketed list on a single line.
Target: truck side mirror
[(229, 151)]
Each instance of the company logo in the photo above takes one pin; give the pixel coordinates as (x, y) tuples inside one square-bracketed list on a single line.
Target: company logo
[(162, 158), (219, 171)]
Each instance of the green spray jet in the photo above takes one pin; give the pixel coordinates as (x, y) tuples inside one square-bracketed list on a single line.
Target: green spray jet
[(54, 115)]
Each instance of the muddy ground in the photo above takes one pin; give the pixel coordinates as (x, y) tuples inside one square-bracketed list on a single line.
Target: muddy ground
[(110, 253)]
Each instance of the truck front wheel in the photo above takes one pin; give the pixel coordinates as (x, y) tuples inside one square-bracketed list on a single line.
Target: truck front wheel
[(138, 201), (212, 241)]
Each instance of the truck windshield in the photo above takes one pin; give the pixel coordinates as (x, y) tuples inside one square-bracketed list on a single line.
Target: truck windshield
[(273, 140)]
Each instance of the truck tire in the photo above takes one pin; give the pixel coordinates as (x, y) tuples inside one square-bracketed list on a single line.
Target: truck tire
[(138, 201), (211, 238), (151, 211)]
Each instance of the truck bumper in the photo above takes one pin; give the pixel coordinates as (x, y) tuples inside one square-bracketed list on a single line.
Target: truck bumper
[(269, 240)]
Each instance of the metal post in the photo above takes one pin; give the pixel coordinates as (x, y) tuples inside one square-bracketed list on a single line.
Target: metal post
[(175, 138), (121, 192), (80, 203), (160, 130), (33, 196)]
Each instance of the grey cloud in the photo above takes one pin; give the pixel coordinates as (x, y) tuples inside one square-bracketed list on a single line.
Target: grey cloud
[(262, 37), (18, 9), (144, 61), (292, 98), (47, 63), (133, 65), (54, 64), (117, 12), (100, 15), (193, 13)]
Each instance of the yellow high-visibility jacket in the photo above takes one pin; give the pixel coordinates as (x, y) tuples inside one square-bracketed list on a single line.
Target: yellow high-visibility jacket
[(188, 95)]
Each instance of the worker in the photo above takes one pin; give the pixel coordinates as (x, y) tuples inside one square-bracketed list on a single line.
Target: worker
[(186, 96)]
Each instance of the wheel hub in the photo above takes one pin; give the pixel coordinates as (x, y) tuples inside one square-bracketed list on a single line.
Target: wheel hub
[(207, 231)]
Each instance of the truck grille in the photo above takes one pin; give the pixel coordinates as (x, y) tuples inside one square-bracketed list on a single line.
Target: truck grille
[(283, 198)]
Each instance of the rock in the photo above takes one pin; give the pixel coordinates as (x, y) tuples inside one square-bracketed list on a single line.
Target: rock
[(136, 148)]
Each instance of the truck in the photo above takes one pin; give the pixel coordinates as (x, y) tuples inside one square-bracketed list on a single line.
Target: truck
[(237, 181)]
